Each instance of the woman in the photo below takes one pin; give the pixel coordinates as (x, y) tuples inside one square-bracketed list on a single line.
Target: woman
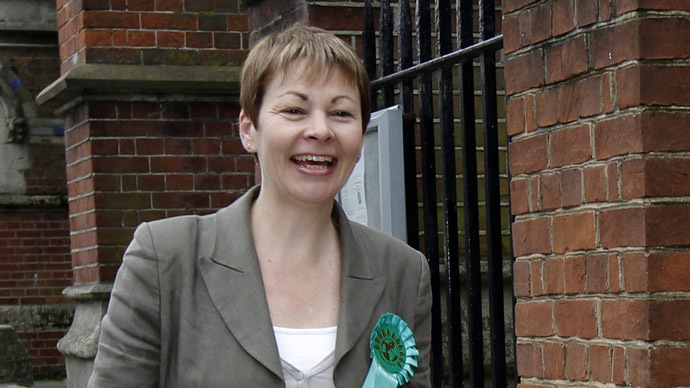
[(278, 289)]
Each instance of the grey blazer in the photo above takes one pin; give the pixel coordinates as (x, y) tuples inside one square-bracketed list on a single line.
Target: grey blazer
[(188, 307)]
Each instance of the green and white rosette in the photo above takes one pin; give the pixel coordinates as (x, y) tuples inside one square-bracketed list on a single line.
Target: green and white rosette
[(393, 353)]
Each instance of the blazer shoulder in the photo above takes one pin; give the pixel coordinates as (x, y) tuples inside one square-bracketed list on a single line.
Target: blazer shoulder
[(175, 234), (382, 245)]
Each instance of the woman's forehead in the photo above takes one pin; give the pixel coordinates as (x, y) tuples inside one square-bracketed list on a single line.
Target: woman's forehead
[(302, 69)]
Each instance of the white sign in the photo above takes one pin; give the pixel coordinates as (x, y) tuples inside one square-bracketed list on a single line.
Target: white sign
[(374, 195)]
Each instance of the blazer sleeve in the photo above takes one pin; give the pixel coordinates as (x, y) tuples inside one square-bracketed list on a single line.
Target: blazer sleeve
[(129, 347), (422, 328)]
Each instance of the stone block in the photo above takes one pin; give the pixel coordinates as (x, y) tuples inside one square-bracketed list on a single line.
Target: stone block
[(15, 363)]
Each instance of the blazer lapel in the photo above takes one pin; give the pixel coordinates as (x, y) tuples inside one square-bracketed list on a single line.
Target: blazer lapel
[(360, 290), (232, 276)]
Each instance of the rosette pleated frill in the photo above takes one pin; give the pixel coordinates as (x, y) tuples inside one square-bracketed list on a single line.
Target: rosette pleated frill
[(393, 353)]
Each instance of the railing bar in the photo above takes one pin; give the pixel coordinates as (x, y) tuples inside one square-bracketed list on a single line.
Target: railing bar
[(410, 165), (369, 47), (471, 197), (409, 118), (444, 45), (423, 23), (494, 249), (451, 244), (493, 198), (387, 49), (444, 42), (430, 220), (490, 45), (405, 54)]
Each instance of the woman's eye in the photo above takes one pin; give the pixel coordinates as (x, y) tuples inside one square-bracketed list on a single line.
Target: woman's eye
[(343, 114), (292, 111)]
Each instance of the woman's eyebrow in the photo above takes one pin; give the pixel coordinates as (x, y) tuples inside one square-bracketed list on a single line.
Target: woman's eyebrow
[(305, 97), (336, 98), (295, 93)]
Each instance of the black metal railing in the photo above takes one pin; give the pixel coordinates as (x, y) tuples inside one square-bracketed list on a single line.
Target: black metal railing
[(412, 84)]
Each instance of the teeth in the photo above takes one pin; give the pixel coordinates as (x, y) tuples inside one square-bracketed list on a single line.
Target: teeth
[(315, 167), (314, 158)]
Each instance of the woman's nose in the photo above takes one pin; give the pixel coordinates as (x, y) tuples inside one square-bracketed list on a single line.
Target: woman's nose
[(319, 127)]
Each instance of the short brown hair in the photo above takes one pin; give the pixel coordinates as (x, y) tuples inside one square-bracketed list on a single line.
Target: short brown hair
[(321, 48)]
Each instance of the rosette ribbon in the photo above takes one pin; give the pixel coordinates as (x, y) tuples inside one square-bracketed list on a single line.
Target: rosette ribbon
[(393, 353)]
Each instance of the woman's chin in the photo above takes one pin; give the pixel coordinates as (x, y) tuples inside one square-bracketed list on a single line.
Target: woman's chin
[(311, 195)]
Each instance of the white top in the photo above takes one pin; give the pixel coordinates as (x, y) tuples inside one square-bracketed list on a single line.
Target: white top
[(306, 356)]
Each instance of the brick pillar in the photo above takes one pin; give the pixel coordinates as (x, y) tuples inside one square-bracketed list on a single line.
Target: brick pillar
[(598, 114), (149, 90)]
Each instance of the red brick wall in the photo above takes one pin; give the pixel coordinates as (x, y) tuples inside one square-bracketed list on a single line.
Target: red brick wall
[(598, 114), (46, 360), (134, 162), (47, 172), (344, 19), (35, 251), (174, 32)]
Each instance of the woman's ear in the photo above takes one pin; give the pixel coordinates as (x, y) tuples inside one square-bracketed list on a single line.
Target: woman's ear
[(247, 132)]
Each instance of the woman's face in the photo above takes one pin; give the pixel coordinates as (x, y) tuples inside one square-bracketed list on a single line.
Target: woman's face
[(309, 136)]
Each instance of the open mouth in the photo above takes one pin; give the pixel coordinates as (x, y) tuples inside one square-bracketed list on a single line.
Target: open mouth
[(314, 162)]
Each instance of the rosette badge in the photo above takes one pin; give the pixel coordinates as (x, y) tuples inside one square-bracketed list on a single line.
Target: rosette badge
[(393, 353)]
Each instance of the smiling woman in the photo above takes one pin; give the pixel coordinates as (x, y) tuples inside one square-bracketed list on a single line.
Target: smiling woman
[(279, 289), (310, 135)]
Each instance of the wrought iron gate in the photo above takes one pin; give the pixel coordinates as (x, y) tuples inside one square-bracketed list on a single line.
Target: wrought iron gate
[(486, 242)]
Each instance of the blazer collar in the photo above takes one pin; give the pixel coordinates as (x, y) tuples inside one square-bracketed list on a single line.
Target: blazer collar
[(360, 290), (232, 276)]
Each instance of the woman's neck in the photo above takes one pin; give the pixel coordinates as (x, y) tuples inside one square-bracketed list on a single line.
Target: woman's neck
[(299, 256), (282, 230)]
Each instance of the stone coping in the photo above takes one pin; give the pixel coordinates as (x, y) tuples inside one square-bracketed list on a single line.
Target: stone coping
[(88, 291), (140, 79), (32, 202), (37, 317)]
